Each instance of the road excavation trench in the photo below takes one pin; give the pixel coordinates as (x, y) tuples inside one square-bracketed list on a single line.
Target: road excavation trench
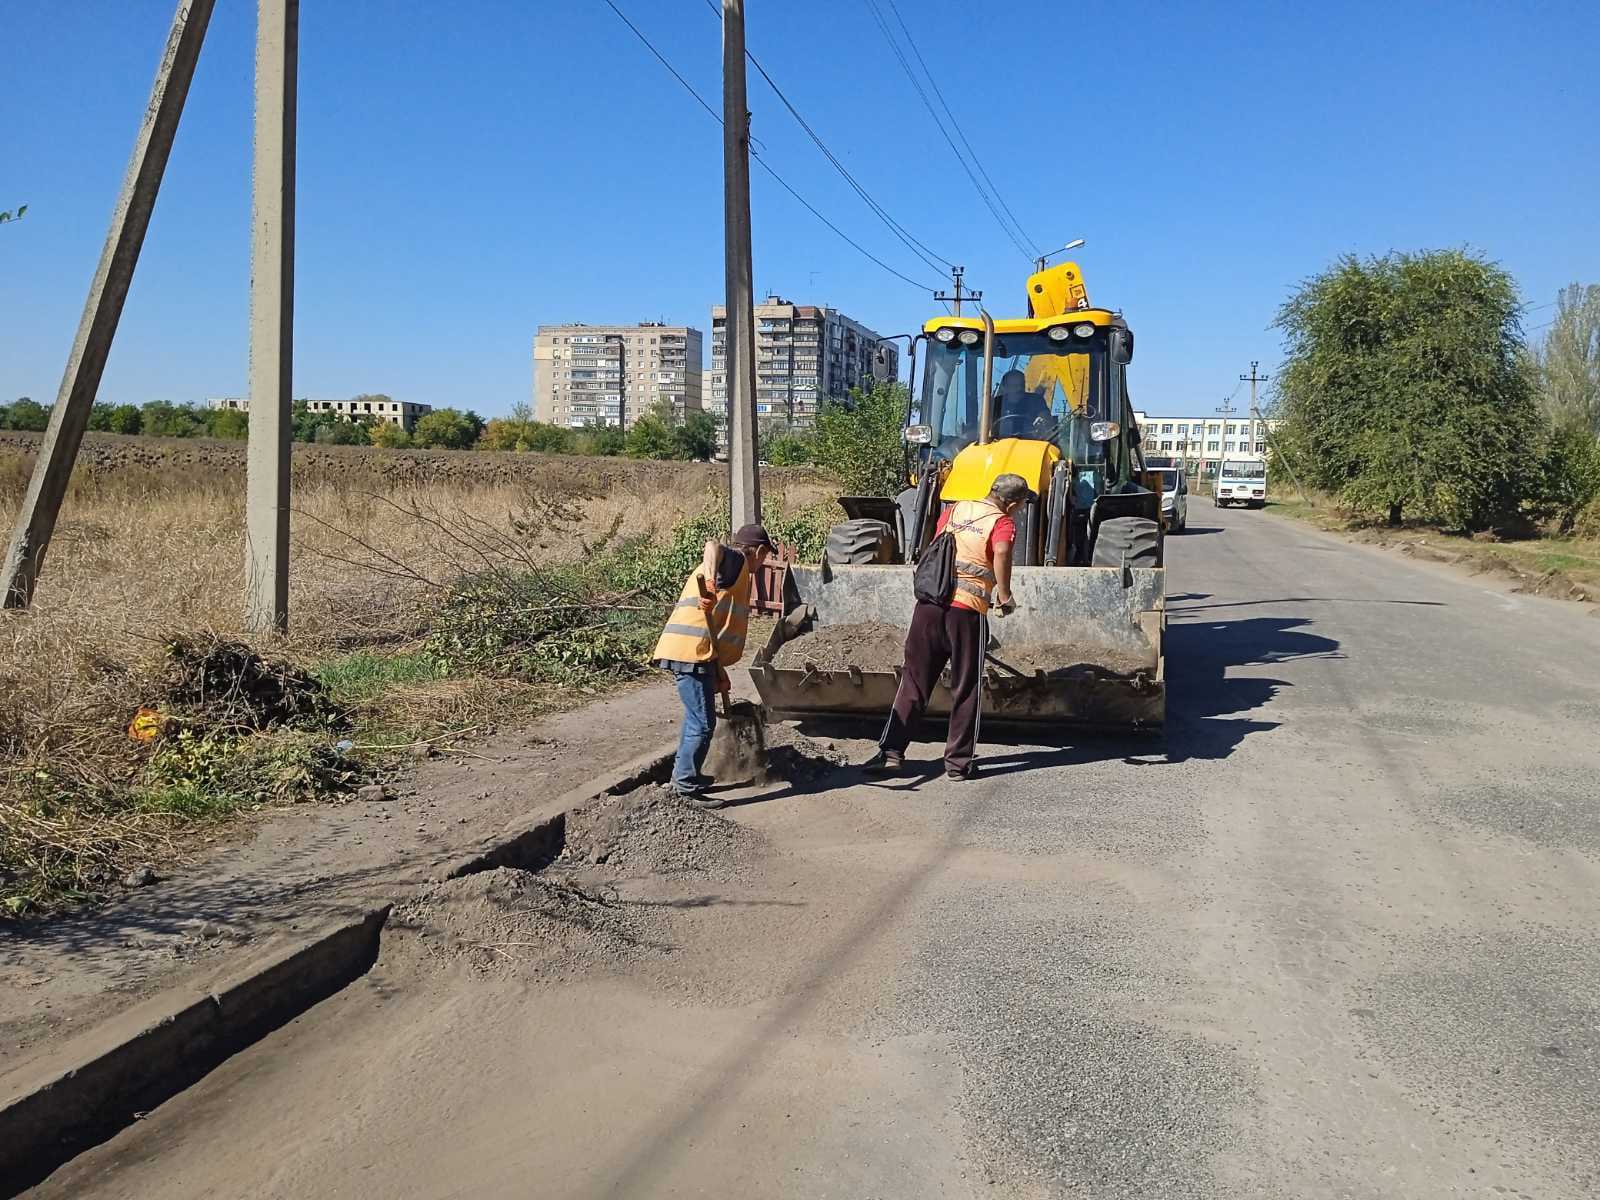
[(607, 899)]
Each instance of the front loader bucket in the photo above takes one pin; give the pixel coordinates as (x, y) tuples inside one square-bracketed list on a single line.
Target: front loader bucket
[(1087, 641)]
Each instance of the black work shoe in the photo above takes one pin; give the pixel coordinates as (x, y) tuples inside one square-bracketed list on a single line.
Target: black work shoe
[(971, 772), (885, 762), (702, 800)]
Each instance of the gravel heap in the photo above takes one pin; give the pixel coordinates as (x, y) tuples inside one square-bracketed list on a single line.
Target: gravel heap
[(871, 645), (651, 831), (511, 922)]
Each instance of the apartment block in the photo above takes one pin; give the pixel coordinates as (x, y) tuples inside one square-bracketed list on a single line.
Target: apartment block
[(609, 374), (804, 353), (394, 412)]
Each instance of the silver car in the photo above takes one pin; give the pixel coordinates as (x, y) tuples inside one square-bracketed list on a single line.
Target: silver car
[(1174, 498)]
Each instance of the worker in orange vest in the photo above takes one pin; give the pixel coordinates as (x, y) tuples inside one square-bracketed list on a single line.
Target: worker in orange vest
[(957, 632), (705, 636)]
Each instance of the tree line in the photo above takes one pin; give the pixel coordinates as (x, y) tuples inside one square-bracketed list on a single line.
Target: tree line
[(1411, 391), (659, 433)]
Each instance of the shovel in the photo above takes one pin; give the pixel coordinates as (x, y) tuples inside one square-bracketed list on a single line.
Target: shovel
[(738, 751)]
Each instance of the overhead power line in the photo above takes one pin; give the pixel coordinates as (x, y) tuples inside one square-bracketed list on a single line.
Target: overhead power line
[(782, 182), (911, 242), (1018, 240), (976, 161)]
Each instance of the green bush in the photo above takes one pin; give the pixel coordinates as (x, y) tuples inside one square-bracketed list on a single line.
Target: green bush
[(862, 440), (1568, 476), (1587, 526)]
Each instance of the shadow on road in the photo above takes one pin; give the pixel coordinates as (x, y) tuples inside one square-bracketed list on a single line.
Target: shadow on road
[(1207, 694), (1309, 600)]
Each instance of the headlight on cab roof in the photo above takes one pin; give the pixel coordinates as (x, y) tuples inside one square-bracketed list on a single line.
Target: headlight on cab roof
[(945, 335), (969, 337)]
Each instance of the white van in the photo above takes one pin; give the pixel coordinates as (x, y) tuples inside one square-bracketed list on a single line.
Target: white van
[(1242, 481)]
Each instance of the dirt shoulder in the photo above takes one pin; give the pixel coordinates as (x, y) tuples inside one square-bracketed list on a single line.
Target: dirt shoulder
[(1561, 568), (295, 868)]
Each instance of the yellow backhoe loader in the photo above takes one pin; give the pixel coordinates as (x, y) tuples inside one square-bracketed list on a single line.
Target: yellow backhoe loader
[(1043, 396)]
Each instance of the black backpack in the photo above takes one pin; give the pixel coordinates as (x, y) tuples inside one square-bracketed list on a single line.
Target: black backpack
[(934, 580)]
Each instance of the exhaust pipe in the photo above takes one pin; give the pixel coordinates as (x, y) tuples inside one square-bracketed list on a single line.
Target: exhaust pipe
[(988, 377)]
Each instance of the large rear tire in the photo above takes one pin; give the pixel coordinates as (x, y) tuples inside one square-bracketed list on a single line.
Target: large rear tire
[(862, 540), (1131, 541)]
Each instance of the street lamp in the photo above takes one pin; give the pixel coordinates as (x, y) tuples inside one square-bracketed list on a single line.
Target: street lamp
[(1038, 263)]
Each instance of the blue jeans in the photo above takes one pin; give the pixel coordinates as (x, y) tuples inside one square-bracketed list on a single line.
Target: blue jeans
[(698, 693)]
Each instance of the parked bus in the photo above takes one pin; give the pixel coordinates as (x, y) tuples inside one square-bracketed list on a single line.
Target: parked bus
[(1241, 481)]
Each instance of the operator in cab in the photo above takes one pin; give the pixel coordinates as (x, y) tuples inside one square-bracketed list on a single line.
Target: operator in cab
[(1020, 413), (957, 632)]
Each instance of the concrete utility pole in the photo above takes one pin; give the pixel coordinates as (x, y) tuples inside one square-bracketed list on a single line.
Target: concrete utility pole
[(102, 310), (958, 275), (266, 535), (1254, 378), (739, 332)]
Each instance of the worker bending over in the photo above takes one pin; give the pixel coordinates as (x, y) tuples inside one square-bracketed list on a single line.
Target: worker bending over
[(957, 632), (703, 638)]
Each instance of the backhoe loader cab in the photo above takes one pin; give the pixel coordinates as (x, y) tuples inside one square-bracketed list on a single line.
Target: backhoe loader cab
[(1044, 396)]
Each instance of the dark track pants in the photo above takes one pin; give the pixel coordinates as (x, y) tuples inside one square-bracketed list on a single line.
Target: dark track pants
[(955, 635)]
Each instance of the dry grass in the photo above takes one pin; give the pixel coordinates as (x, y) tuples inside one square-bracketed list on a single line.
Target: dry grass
[(145, 553)]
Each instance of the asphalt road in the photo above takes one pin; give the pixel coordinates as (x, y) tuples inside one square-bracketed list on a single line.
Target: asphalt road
[(1339, 940)]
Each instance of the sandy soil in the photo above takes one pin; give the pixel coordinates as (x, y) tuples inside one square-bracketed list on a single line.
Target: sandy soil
[(870, 645), (298, 867)]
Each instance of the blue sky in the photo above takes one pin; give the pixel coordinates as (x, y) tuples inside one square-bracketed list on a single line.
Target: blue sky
[(470, 171)]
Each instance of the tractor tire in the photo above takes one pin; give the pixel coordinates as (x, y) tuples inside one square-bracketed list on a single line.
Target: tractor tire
[(1135, 541), (861, 540)]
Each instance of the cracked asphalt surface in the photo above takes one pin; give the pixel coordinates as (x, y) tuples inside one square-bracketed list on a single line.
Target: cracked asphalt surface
[(1338, 939)]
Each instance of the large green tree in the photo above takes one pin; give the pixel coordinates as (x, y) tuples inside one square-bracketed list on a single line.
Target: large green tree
[(652, 435), (521, 432), (447, 429), (1404, 390), (26, 414), (1568, 359), (861, 439)]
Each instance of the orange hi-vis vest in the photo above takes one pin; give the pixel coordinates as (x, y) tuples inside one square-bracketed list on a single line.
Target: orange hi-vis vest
[(687, 637), (971, 521)]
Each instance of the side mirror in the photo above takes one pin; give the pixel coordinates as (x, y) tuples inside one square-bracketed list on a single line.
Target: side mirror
[(1122, 346)]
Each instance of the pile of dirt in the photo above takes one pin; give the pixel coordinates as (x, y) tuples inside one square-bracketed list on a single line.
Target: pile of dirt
[(793, 756), (649, 831), (511, 922), (870, 645), (1057, 659)]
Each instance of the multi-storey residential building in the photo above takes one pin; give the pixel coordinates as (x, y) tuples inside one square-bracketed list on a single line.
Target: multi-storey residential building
[(1205, 440), (396, 412), (804, 352), (609, 374)]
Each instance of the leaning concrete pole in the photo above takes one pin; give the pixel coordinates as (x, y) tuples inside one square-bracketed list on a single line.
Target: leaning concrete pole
[(266, 532), (103, 309), (739, 332)]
